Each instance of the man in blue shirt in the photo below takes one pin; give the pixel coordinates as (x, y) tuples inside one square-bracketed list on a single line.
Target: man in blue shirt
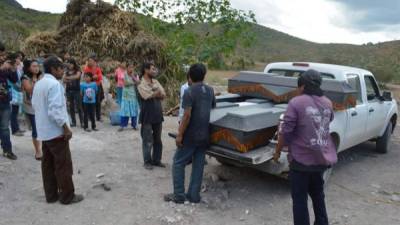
[(193, 137)]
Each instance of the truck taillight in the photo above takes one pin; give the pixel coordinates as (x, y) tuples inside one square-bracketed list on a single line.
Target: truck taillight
[(301, 64)]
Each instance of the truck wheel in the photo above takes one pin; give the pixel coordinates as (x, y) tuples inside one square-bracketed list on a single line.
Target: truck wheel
[(383, 142)]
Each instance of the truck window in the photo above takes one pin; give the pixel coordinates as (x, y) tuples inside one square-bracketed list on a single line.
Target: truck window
[(372, 88), (354, 81), (297, 73)]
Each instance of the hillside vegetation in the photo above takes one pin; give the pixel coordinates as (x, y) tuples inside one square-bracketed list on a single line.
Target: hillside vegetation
[(383, 59), (17, 23)]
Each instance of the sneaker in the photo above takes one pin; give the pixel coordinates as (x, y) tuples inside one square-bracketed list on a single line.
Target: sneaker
[(173, 198), (148, 166), (18, 133), (159, 164), (10, 155), (76, 199), (195, 202)]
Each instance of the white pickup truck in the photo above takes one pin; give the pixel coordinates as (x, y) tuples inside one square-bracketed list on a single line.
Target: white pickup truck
[(373, 118)]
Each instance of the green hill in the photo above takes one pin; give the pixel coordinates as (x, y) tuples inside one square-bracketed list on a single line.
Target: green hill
[(16, 23)]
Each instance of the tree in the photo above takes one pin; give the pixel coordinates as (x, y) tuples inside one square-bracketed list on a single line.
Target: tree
[(196, 30)]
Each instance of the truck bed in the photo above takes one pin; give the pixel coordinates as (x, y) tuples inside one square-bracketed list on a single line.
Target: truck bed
[(254, 157)]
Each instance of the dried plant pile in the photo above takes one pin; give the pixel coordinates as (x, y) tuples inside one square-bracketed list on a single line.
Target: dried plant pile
[(100, 28)]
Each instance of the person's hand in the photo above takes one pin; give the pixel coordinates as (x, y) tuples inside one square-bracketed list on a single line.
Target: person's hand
[(157, 94), (179, 140), (67, 133), (277, 155), (7, 65)]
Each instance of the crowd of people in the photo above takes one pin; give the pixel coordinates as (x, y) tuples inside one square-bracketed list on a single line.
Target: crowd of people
[(51, 100), (43, 98)]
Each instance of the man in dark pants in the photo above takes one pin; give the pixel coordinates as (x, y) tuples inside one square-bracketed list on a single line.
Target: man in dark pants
[(53, 130), (72, 80), (7, 73), (193, 137), (305, 130), (151, 116)]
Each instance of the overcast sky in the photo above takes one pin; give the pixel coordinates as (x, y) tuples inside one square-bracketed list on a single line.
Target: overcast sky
[(323, 21)]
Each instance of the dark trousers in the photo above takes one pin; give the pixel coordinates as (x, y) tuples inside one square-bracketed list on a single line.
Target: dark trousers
[(57, 171), (125, 121), (151, 137), (75, 106), (302, 185), (88, 113), (99, 99), (5, 139), (182, 157), (14, 118)]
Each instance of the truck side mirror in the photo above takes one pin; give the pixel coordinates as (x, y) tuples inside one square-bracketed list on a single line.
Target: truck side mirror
[(387, 96), (371, 97)]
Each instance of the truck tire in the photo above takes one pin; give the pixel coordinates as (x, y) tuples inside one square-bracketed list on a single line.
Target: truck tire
[(383, 142)]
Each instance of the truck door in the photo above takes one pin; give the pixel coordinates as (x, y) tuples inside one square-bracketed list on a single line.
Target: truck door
[(376, 107), (356, 116)]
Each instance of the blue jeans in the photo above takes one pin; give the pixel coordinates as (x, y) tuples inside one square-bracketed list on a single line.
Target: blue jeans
[(5, 113), (125, 121), (75, 105), (182, 157), (119, 95), (304, 184), (33, 125)]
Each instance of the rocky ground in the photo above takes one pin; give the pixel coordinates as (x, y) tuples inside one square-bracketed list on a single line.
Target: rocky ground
[(364, 188)]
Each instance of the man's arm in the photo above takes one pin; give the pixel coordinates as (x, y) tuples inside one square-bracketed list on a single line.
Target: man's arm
[(183, 126), (145, 92), (160, 93), (12, 76), (214, 101), (187, 105), (56, 106), (77, 76), (99, 74), (285, 134)]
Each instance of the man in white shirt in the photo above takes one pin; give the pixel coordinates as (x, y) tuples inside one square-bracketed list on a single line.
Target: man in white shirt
[(184, 87), (53, 130)]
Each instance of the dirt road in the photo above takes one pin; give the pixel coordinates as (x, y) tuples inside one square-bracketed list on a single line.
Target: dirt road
[(364, 188)]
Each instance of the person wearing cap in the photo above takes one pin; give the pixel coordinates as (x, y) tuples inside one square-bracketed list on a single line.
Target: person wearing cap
[(305, 130)]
